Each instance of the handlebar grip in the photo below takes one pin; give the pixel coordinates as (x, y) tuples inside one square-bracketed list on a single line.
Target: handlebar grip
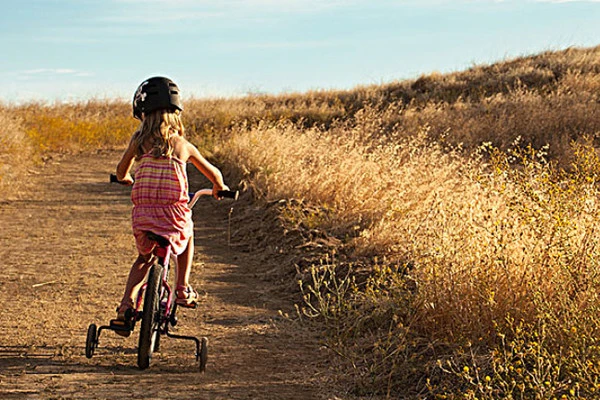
[(113, 179), (230, 194)]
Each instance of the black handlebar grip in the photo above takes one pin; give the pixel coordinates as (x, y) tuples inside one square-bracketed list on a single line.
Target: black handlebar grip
[(230, 194), (113, 179)]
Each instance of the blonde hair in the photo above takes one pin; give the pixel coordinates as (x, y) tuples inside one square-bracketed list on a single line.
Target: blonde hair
[(156, 131)]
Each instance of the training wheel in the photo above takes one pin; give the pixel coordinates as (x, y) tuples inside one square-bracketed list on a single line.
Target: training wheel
[(157, 343), (91, 341), (203, 356)]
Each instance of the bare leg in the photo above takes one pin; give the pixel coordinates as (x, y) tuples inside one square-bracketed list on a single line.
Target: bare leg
[(138, 272), (186, 296), (184, 264)]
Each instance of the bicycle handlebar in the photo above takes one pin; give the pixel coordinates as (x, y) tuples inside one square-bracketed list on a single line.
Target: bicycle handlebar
[(230, 194)]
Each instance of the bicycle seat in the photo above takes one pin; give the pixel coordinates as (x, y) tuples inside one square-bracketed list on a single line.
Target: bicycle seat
[(162, 241)]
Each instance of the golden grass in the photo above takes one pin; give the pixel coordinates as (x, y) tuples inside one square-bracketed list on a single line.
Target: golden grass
[(15, 152), (77, 127), (487, 244)]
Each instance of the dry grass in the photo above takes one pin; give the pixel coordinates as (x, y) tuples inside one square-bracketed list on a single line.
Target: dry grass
[(15, 152), (490, 247), (77, 127), (31, 131)]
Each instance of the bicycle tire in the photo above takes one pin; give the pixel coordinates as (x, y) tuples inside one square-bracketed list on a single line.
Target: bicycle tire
[(91, 341), (150, 317)]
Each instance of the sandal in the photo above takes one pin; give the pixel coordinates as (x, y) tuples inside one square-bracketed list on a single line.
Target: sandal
[(186, 296), (124, 321)]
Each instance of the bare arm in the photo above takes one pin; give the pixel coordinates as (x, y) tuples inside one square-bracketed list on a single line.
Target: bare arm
[(191, 153), (124, 166), (210, 171)]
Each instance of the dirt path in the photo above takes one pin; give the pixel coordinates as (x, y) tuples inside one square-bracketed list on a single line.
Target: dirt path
[(67, 248)]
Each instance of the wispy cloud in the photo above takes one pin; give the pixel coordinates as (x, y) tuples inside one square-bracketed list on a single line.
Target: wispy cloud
[(53, 72), (196, 9), (39, 71), (170, 10), (286, 44), (161, 17), (174, 4)]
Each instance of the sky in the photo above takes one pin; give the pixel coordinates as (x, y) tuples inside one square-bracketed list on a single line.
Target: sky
[(74, 50)]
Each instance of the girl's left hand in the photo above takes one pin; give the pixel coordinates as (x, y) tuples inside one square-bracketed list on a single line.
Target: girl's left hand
[(217, 188), (127, 180)]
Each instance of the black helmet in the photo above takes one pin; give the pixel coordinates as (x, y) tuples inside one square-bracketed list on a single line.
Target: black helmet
[(154, 94)]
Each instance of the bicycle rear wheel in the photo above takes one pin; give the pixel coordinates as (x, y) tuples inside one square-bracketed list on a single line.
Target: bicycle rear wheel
[(149, 329)]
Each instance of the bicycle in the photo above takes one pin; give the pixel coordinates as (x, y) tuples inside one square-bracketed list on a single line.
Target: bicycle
[(159, 307)]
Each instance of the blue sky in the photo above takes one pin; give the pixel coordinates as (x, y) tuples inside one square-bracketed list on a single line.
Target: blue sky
[(63, 50)]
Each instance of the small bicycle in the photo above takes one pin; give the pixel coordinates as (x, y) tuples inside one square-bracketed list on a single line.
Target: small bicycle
[(159, 307)]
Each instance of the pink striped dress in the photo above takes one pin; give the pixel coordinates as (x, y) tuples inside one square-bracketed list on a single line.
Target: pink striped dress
[(160, 203)]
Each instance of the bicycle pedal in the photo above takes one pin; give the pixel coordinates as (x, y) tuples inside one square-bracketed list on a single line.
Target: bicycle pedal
[(120, 327)]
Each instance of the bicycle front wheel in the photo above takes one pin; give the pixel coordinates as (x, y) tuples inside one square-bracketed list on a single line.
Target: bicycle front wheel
[(149, 329)]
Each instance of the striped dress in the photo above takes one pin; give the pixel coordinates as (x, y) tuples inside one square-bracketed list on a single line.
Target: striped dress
[(160, 203)]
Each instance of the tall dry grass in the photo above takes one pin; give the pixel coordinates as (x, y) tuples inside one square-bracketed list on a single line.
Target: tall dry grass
[(76, 127), (30, 131), (490, 248), (15, 152)]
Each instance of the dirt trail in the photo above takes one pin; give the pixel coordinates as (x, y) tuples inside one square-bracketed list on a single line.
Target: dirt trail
[(66, 251)]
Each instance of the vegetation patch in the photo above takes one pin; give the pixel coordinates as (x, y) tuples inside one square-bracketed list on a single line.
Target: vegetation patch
[(15, 152)]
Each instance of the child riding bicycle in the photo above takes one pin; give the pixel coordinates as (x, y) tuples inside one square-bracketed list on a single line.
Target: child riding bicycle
[(160, 188)]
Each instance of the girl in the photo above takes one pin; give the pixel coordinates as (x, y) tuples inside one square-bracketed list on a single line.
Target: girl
[(160, 190)]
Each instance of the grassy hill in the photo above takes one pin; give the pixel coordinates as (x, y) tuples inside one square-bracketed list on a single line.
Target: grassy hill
[(443, 229)]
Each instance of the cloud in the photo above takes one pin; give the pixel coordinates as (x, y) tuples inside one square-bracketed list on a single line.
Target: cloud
[(161, 17), (197, 9), (52, 72), (227, 4), (309, 44)]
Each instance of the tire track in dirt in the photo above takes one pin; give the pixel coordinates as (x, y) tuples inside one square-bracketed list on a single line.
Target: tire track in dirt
[(67, 247)]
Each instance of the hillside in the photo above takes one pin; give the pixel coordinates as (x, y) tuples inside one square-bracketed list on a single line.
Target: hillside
[(548, 98)]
